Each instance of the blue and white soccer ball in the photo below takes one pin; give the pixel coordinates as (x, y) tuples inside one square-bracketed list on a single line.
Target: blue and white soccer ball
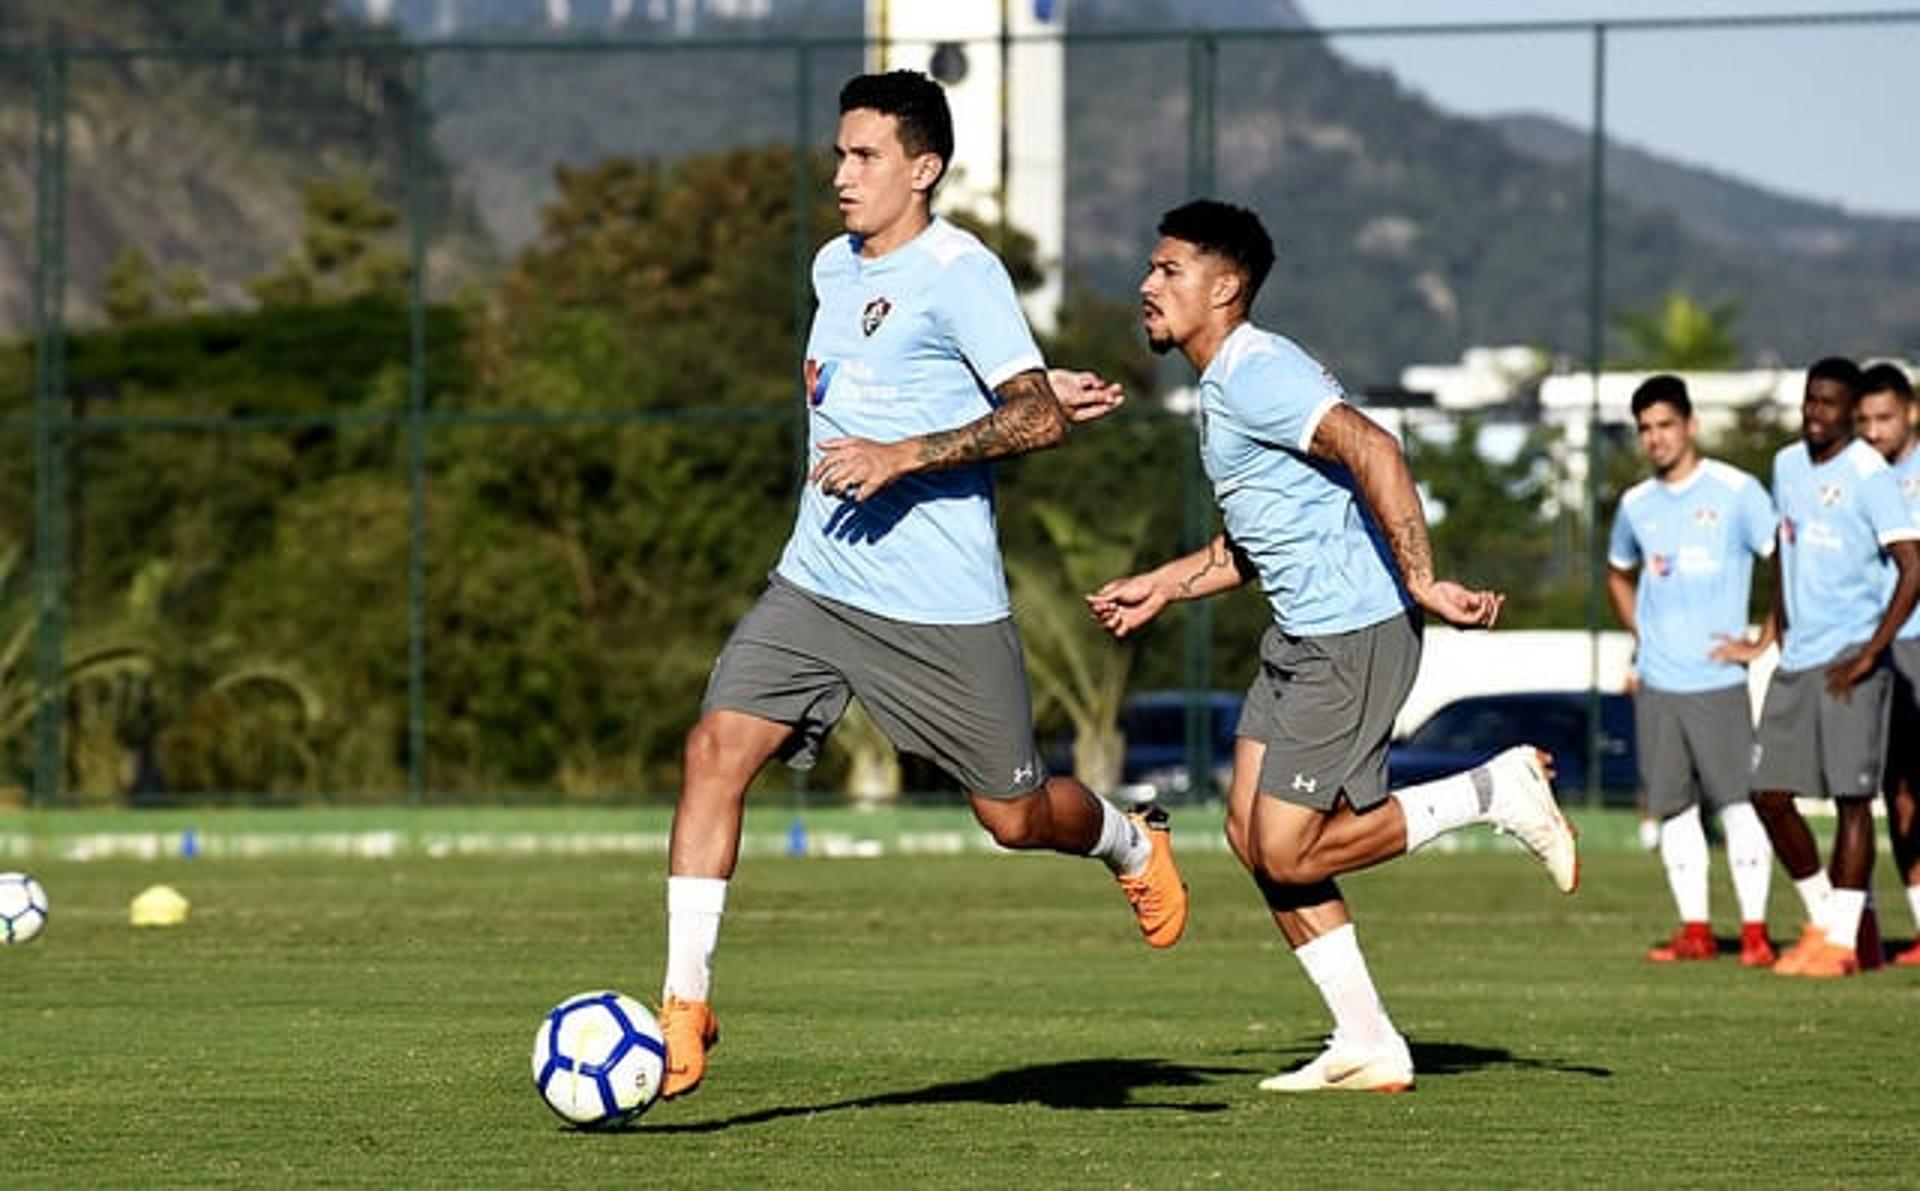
[(598, 1059), (23, 908)]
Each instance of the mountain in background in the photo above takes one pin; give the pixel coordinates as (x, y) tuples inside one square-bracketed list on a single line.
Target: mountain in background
[(1406, 233), (1716, 207)]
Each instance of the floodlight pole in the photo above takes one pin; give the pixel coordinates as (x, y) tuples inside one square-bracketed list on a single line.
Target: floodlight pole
[(50, 430), (1203, 65), (1596, 348)]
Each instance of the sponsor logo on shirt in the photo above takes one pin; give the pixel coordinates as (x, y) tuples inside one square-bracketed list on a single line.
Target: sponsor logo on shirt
[(819, 375), (875, 314)]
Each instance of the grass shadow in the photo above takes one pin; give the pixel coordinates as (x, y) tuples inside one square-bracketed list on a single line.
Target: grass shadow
[(1442, 1059), (1085, 1085)]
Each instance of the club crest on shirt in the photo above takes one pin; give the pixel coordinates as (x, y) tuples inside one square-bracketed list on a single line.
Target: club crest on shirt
[(1910, 488), (875, 314), (1706, 516), (1831, 495)]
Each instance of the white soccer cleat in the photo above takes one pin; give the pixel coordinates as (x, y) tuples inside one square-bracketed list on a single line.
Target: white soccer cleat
[(1344, 1068), (1521, 805)]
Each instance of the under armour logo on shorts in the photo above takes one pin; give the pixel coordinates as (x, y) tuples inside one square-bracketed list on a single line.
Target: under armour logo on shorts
[(1305, 784)]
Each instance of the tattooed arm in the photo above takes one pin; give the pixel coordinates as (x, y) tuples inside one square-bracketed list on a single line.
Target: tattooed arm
[(1349, 438), (1034, 412), (1124, 605)]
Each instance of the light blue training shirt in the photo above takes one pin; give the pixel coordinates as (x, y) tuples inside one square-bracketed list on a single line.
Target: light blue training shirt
[(1906, 472), (1834, 519), (1694, 543), (911, 342), (1323, 564)]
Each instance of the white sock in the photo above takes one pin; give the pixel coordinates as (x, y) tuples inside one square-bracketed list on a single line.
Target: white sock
[(1122, 845), (1813, 894), (1336, 967), (1750, 857), (1913, 903), (1683, 850), (1434, 808), (694, 906), (1842, 922)]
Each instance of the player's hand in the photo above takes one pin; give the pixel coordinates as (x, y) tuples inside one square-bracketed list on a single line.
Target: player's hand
[(1124, 605), (1741, 649), (856, 468), (1460, 606), (1844, 674), (1083, 397)]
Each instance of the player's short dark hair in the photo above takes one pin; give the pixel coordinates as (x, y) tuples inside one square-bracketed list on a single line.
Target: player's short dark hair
[(1837, 368), (918, 104), (1887, 378), (1667, 388), (1227, 231)]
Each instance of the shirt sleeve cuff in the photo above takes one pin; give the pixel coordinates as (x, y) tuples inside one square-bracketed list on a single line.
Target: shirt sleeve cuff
[(1313, 423), (1012, 368)]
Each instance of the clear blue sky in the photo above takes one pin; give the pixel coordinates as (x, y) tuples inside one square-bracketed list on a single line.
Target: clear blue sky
[(1824, 112)]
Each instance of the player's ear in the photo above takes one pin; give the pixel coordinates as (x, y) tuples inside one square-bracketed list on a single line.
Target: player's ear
[(925, 171), (1227, 288)]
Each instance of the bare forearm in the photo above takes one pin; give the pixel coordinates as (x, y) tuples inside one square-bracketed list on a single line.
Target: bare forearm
[(1208, 571), (1906, 593), (1620, 595), (1380, 472), (1028, 418)]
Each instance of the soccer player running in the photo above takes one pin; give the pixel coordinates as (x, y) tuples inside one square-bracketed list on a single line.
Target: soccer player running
[(1824, 722), (1319, 506), (1680, 569), (920, 372), (1884, 417)]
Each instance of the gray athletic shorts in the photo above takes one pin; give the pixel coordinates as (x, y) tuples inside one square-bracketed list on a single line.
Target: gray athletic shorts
[(954, 694), (1817, 746), (1693, 742), (1906, 669), (1324, 707)]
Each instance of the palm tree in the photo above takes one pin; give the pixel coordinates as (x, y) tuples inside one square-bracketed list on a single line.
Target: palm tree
[(96, 661), (1681, 334), (1073, 663)]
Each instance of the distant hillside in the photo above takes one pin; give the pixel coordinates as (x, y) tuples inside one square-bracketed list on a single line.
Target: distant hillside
[(203, 163), (1714, 206), (1407, 233)]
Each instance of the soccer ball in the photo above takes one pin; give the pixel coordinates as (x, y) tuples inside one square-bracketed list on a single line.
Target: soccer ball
[(23, 907), (598, 1059)]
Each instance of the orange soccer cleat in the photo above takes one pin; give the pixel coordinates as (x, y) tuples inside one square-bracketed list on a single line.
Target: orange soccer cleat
[(690, 1031), (1158, 895), (1811, 939), (1692, 940), (1829, 961), (1909, 958)]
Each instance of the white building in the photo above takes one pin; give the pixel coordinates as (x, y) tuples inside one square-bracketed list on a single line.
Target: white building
[(1009, 123)]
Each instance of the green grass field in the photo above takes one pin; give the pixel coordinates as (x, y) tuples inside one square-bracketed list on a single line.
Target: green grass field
[(971, 1020)]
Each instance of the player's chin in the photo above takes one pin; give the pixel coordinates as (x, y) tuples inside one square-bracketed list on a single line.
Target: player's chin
[(1159, 342)]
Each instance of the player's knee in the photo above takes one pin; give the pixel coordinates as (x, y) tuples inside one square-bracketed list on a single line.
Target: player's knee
[(706, 746), (1288, 865), (1013, 823)]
